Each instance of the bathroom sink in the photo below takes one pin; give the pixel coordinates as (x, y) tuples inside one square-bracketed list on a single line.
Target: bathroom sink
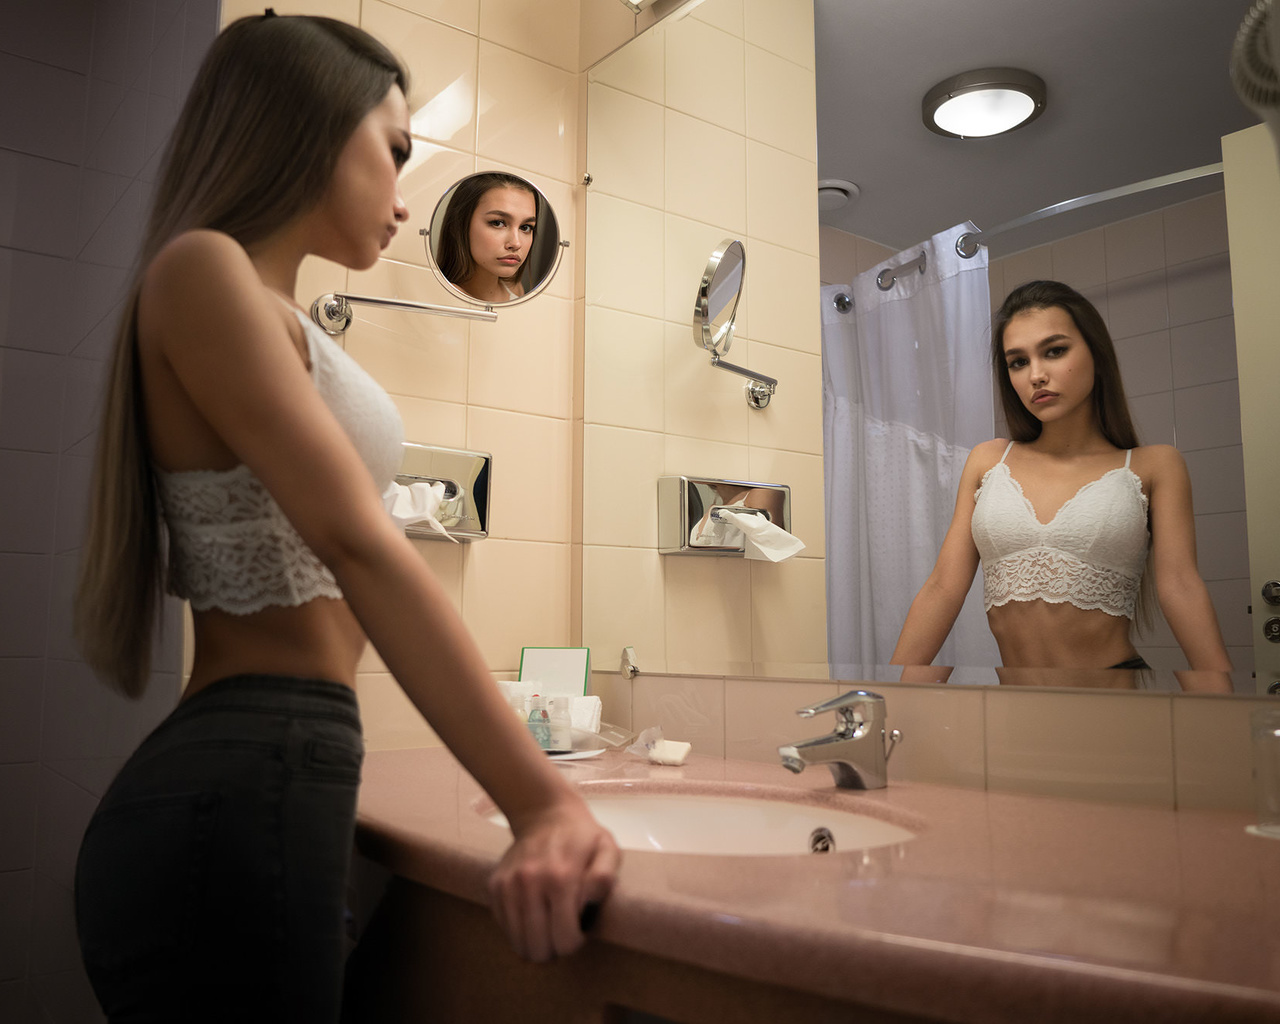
[(722, 824)]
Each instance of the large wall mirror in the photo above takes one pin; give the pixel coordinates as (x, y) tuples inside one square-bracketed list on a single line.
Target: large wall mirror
[(999, 179)]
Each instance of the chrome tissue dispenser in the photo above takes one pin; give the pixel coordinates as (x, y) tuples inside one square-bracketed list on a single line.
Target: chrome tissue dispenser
[(686, 502), (465, 475)]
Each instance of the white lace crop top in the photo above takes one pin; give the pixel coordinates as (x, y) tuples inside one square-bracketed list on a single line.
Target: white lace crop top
[(230, 545), (1091, 554)]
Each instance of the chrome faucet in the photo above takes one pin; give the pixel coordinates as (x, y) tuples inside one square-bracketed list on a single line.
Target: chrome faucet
[(855, 752)]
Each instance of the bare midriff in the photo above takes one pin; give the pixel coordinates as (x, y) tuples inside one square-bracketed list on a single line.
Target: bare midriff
[(318, 640), (1037, 634)]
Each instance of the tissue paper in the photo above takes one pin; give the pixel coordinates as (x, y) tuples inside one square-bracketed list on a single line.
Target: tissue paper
[(417, 503), (761, 539)]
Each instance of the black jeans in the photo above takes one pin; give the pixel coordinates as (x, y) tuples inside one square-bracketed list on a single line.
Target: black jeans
[(211, 879)]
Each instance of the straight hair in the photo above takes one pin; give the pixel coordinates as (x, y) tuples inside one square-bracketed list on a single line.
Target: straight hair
[(454, 257), (255, 145)]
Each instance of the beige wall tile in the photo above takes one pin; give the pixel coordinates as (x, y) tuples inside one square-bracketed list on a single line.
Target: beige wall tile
[(723, 14), (760, 716), (803, 474), (784, 27), (318, 277), (689, 456), (793, 419), (1213, 759), (624, 276), (1104, 746), (695, 191), (870, 254), (430, 422), (529, 486), (708, 607), (704, 74), (781, 103), (781, 284), (623, 375), (995, 282), (523, 361), (547, 30), (1135, 246), (527, 113), (625, 145), (516, 594), (837, 255), (688, 710), (388, 717), (1081, 260), (1196, 229), (442, 71), (406, 352), (782, 198), (614, 691), (637, 68), (1136, 305), (431, 171), (463, 14), (687, 247), (701, 400), (943, 733), (621, 470), (626, 606), (789, 611), (1030, 265)]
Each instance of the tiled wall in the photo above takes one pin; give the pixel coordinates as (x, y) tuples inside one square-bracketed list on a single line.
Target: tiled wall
[(1162, 282), (1181, 751), (93, 88), (701, 130)]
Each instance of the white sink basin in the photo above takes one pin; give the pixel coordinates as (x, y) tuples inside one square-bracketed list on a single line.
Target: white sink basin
[(732, 825)]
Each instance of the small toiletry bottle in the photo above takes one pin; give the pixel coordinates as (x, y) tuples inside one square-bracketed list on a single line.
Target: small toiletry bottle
[(516, 702), (561, 726), (540, 721)]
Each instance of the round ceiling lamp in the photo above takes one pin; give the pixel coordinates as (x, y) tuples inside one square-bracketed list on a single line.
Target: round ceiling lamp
[(989, 101)]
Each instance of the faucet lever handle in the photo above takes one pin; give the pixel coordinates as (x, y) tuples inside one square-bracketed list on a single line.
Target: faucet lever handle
[(847, 704)]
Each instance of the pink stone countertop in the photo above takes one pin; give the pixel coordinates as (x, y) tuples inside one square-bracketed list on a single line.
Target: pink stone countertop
[(1004, 908)]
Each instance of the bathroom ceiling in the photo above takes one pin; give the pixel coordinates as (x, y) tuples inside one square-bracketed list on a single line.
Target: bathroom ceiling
[(1136, 89)]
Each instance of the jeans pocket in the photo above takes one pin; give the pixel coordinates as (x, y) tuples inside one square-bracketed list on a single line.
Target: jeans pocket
[(141, 876), (329, 759)]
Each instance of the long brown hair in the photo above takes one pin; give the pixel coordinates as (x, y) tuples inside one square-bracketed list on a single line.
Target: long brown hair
[(255, 145), (1110, 408)]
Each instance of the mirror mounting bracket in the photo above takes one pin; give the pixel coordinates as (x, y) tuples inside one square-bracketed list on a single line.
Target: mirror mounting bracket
[(332, 311), (760, 387)]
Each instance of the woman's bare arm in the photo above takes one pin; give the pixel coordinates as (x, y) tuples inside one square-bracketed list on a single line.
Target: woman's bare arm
[(934, 610), (229, 349), (1183, 597)]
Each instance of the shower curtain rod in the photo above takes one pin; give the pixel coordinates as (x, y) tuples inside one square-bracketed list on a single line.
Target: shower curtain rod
[(968, 243)]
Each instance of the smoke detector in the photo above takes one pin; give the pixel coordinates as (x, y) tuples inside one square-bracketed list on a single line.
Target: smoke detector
[(834, 193)]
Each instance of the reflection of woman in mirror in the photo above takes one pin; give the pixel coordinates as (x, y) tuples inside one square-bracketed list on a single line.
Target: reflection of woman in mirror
[(487, 234), (707, 533), (1063, 516)]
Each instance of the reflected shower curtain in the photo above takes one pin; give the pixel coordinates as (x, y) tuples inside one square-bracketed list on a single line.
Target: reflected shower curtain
[(906, 396)]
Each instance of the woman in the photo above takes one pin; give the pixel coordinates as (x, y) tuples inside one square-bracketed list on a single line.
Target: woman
[(487, 233), (210, 881), (1062, 517)]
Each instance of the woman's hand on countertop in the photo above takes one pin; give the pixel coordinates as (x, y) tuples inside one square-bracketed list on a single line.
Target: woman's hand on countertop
[(561, 863)]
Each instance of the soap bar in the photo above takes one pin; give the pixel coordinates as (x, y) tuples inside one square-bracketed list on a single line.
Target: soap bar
[(669, 752)]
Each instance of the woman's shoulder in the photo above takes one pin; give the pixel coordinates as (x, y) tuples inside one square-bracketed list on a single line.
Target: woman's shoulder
[(198, 255), (983, 457), (1156, 459)]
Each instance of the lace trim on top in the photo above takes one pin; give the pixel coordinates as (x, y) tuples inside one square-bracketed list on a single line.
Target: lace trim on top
[(232, 547), (1046, 574)]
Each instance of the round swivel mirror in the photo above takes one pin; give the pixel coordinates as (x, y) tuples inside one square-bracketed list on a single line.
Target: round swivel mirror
[(717, 303), (494, 239)]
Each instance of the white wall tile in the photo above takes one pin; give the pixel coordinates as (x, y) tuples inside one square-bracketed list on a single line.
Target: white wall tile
[(19, 787), (780, 103), (34, 212), (516, 594), (523, 361), (1217, 479), (1204, 352), (1222, 545), (17, 891), (20, 696), (704, 74), (1137, 305), (700, 400), (30, 398), (784, 27), (1029, 265), (781, 284), (782, 198), (624, 369), (1145, 363), (56, 32), (27, 501), (621, 468), (625, 138), (52, 128), (1135, 246), (1153, 417), (1080, 260), (530, 493), (24, 603), (625, 606), (691, 147), (1196, 229), (638, 67), (527, 113), (547, 31), (627, 277), (1200, 290)]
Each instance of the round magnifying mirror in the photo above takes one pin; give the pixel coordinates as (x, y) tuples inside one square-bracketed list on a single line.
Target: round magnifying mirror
[(494, 239), (717, 303)]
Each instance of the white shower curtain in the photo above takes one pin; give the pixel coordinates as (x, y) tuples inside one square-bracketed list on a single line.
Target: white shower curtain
[(906, 396)]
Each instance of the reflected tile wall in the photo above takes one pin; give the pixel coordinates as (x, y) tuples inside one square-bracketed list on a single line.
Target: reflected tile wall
[(711, 149)]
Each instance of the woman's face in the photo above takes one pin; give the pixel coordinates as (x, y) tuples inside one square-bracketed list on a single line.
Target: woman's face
[(1049, 362), (501, 230), (362, 206)]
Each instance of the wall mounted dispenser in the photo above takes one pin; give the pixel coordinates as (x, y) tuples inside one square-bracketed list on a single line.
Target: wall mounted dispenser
[(688, 506), (466, 477)]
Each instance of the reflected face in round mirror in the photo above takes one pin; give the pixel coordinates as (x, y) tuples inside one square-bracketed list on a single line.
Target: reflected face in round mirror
[(494, 239)]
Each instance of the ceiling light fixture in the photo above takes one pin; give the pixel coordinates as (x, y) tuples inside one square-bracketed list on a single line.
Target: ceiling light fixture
[(989, 101)]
